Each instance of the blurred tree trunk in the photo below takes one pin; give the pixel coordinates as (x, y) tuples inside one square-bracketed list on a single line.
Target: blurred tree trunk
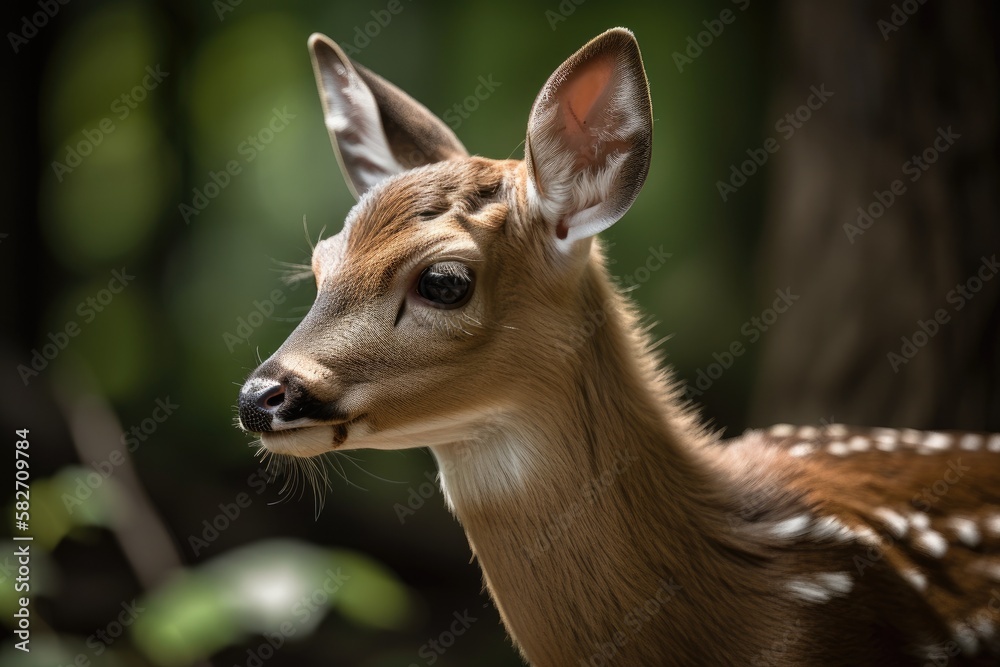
[(899, 82)]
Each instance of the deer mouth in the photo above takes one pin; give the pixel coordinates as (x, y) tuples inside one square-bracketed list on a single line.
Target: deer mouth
[(307, 441)]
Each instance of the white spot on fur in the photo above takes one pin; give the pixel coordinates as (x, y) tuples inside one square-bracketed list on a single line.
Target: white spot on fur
[(838, 448), (971, 442), (983, 625), (911, 436), (867, 536), (838, 582), (835, 430), (991, 524), (893, 520), (886, 445), (808, 432), (993, 444), (931, 542), (781, 430), (801, 449), (792, 527), (859, 444), (808, 591), (966, 531), (920, 521), (938, 441), (915, 578), (821, 587), (830, 527), (887, 435), (965, 638)]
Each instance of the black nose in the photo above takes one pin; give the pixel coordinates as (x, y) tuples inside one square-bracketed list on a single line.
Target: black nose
[(259, 401)]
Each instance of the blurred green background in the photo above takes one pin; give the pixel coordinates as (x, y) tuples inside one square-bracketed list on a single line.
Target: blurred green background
[(154, 525)]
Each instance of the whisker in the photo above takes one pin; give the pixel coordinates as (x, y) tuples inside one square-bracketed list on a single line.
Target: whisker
[(305, 228), (342, 473), (515, 148), (369, 473)]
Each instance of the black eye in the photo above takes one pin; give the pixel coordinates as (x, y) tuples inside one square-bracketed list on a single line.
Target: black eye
[(446, 284)]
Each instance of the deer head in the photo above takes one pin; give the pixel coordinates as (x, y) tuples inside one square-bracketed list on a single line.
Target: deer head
[(457, 283)]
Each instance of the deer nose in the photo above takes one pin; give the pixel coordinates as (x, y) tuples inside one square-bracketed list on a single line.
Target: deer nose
[(259, 400)]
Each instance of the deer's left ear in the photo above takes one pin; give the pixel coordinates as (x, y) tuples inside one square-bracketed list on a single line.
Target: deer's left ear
[(590, 137)]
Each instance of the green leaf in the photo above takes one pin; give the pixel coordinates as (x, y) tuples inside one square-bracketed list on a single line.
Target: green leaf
[(279, 586)]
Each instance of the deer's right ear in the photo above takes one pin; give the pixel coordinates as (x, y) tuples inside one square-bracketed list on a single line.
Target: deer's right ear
[(590, 136), (376, 129)]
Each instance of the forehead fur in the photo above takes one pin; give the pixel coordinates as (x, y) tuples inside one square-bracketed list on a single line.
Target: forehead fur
[(393, 222)]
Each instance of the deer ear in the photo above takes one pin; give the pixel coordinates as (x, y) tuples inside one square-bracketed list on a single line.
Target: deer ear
[(590, 137), (376, 129)]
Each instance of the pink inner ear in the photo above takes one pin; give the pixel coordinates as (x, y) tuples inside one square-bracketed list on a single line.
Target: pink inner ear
[(578, 96)]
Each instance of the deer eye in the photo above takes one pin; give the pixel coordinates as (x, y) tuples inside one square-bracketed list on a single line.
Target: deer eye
[(446, 284)]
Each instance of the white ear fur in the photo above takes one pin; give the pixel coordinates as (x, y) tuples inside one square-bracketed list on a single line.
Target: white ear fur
[(590, 138), (376, 129)]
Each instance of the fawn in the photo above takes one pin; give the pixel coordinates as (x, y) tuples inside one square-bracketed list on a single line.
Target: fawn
[(611, 527)]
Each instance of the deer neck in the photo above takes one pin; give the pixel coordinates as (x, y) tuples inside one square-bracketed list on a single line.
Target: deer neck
[(596, 523)]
